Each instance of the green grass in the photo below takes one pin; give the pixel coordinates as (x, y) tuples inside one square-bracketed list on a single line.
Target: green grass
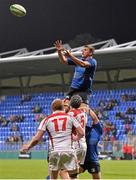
[(38, 169)]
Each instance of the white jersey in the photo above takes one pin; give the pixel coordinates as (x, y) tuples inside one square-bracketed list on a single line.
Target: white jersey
[(59, 126), (81, 117)]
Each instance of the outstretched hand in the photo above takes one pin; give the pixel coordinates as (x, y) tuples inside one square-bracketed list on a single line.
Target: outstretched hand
[(25, 148), (58, 45), (67, 53)]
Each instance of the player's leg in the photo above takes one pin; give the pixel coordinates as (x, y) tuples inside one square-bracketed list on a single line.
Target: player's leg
[(53, 174), (94, 169), (53, 164), (69, 162), (83, 94), (96, 175), (80, 159), (48, 176), (70, 93), (81, 153), (64, 174), (67, 99)]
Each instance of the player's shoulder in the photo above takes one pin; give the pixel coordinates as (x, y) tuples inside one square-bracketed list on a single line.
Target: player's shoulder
[(58, 114), (74, 112), (93, 60)]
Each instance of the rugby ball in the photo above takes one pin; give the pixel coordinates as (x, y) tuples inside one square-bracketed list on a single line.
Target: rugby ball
[(18, 10)]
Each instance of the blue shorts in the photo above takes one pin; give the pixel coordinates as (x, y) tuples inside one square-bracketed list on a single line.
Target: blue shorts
[(91, 167), (83, 94)]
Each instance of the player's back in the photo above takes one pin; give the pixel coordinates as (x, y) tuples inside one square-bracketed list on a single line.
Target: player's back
[(81, 117), (59, 126), (80, 146)]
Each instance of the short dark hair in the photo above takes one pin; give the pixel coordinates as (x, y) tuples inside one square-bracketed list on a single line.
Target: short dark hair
[(91, 48), (75, 101)]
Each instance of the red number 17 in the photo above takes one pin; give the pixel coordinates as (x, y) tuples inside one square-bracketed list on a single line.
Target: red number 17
[(57, 124)]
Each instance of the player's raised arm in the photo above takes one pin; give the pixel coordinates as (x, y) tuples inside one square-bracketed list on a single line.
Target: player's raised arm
[(93, 116), (60, 49), (76, 60)]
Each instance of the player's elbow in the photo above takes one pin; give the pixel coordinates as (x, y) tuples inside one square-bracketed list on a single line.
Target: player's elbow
[(84, 65), (80, 135), (63, 61)]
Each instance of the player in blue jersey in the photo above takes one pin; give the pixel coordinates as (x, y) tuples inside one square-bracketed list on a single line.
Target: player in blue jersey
[(85, 68), (93, 135)]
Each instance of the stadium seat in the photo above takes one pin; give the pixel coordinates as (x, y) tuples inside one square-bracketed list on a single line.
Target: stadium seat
[(11, 106)]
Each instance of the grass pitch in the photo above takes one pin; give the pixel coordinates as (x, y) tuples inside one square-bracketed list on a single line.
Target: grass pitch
[(38, 169)]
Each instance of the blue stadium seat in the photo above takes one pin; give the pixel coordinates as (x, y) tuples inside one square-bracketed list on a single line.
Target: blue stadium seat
[(11, 105)]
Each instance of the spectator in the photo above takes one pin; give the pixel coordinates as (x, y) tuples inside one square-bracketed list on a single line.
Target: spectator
[(124, 148), (16, 118), (124, 97), (134, 152), (14, 139), (128, 151), (102, 104), (131, 110), (40, 117), (3, 121), (12, 118), (127, 128), (109, 106), (14, 127), (117, 150), (114, 131), (37, 109), (25, 98)]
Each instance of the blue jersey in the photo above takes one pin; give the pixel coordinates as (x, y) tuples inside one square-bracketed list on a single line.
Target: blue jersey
[(93, 135), (83, 77)]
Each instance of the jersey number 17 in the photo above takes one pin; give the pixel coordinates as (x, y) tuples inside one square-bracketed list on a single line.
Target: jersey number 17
[(60, 124)]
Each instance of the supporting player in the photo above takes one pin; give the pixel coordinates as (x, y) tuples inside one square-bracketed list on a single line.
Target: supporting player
[(93, 135), (59, 126), (79, 145)]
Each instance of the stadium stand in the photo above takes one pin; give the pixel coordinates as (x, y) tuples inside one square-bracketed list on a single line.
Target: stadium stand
[(22, 121), (40, 71), (21, 114)]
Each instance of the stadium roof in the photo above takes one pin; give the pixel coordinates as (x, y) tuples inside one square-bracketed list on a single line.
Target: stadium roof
[(109, 56)]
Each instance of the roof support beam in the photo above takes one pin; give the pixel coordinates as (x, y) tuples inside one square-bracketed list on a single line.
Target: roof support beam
[(109, 82)]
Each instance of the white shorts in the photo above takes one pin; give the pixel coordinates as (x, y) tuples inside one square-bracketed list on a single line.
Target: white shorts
[(81, 149), (65, 160), (81, 153)]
